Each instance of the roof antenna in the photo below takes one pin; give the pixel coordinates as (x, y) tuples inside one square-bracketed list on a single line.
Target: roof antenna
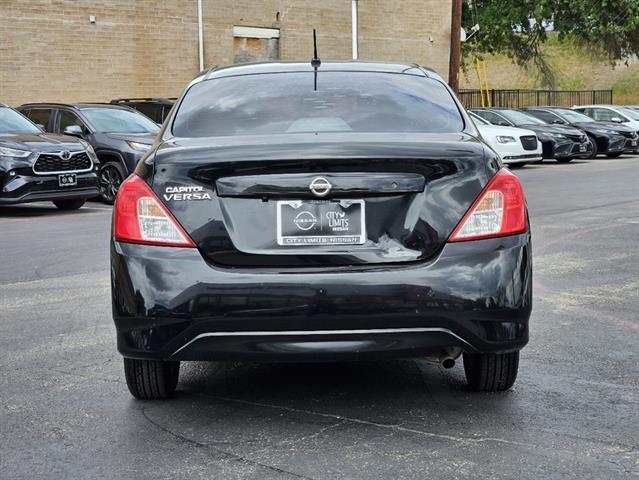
[(315, 62)]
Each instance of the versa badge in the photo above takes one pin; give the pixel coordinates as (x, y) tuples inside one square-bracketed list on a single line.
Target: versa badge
[(181, 194)]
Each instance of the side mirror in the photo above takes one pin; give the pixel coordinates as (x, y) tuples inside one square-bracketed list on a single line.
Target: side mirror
[(616, 120), (40, 126), (558, 122), (73, 130)]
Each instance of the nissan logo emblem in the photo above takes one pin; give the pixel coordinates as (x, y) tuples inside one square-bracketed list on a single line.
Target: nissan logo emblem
[(65, 155), (320, 187)]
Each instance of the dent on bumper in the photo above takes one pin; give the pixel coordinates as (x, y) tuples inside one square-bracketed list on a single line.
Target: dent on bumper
[(169, 303)]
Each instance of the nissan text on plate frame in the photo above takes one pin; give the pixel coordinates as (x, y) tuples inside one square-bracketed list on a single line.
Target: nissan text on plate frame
[(348, 212)]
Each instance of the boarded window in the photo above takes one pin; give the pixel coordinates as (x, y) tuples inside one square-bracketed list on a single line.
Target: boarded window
[(255, 44)]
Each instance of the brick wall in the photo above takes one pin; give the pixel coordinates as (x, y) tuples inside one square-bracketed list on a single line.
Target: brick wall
[(49, 51)]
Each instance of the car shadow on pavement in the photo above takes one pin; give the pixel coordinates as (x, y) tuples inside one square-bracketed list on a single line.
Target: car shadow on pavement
[(553, 163), (371, 382), (235, 404), (245, 416)]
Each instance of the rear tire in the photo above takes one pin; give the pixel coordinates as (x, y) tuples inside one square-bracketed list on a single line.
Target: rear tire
[(614, 155), (491, 372), (151, 379), (69, 204)]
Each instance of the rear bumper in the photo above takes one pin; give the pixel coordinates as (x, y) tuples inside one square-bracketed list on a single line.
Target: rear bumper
[(307, 345), (168, 303)]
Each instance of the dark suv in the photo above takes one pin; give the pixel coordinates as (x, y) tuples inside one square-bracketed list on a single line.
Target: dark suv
[(157, 109), (36, 166), (119, 135)]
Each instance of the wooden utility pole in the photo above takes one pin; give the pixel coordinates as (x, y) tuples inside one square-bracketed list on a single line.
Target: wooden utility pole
[(455, 46)]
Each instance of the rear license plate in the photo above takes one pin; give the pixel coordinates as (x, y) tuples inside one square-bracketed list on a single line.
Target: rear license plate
[(320, 222), (582, 148), (68, 180)]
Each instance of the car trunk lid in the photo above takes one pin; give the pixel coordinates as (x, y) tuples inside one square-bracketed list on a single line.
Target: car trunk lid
[(303, 201)]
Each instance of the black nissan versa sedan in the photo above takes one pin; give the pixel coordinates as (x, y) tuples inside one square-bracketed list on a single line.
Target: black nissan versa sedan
[(563, 143), (610, 139), (119, 135), (36, 166), (291, 214)]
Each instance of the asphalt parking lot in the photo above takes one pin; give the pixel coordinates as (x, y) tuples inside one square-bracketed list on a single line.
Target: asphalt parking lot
[(573, 413)]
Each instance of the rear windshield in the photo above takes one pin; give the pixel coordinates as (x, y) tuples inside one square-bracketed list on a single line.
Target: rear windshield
[(279, 103)]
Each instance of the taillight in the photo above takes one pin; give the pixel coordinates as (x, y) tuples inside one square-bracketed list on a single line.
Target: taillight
[(140, 217), (500, 210)]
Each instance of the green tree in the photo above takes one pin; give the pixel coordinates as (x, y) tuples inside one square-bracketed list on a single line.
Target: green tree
[(518, 29)]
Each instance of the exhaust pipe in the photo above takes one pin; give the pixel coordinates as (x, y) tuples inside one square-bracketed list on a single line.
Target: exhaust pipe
[(447, 362), (446, 358)]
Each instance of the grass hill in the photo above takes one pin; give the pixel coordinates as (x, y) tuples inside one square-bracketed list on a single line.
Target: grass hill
[(574, 67)]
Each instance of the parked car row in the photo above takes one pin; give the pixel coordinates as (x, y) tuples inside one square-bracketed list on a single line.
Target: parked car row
[(564, 133), (67, 153), (119, 135), (606, 138)]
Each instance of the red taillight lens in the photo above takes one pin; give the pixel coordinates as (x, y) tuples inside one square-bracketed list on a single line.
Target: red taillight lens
[(500, 210), (140, 217)]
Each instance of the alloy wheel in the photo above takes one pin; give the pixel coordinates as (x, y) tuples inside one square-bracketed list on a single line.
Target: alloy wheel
[(110, 181)]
